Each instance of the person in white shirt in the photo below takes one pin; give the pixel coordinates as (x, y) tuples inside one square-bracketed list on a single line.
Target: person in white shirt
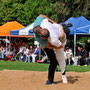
[(26, 54), (2, 52), (55, 40), (69, 55), (20, 53)]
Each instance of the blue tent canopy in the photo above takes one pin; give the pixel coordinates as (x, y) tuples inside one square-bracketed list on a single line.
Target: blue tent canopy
[(24, 31), (80, 25)]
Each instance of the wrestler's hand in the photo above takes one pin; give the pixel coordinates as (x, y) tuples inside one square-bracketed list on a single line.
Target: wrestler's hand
[(44, 16), (52, 46)]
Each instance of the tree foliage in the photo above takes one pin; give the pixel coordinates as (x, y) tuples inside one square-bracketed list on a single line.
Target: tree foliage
[(25, 11)]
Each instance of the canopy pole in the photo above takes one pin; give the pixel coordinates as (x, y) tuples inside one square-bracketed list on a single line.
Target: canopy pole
[(6, 46), (75, 58), (74, 45), (9, 45), (39, 52)]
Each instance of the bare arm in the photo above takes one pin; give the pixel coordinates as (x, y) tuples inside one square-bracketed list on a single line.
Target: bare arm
[(52, 46), (47, 18)]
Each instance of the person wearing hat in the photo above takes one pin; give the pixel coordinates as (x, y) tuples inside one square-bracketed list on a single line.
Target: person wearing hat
[(52, 38)]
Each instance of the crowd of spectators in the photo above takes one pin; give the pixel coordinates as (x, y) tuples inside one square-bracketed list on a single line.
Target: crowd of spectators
[(82, 54), (30, 53), (19, 51)]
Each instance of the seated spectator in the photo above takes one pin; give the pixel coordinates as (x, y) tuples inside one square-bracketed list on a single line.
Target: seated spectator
[(69, 55), (82, 55), (2, 52), (31, 51), (26, 57), (45, 58), (88, 61), (35, 55), (20, 53), (9, 55)]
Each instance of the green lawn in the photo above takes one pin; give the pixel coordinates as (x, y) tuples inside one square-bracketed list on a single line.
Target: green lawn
[(17, 65)]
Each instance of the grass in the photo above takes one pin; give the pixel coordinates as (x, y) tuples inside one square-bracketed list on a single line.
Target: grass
[(78, 68), (17, 65)]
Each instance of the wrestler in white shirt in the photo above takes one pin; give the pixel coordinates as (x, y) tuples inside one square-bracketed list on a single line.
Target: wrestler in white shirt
[(54, 31), (51, 32)]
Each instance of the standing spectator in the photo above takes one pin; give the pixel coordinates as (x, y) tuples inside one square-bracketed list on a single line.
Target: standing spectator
[(87, 46)]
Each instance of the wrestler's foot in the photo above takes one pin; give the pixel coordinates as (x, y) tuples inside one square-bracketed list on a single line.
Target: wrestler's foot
[(68, 24), (64, 78), (48, 82)]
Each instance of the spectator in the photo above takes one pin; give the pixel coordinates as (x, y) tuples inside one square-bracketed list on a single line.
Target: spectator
[(88, 61), (35, 54), (31, 51), (9, 55), (26, 57), (82, 55), (69, 55), (43, 59), (80, 43), (20, 53), (2, 52), (87, 46)]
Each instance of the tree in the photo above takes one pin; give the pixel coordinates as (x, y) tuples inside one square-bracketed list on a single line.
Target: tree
[(33, 8), (64, 9), (9, 10), (25, 11)]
